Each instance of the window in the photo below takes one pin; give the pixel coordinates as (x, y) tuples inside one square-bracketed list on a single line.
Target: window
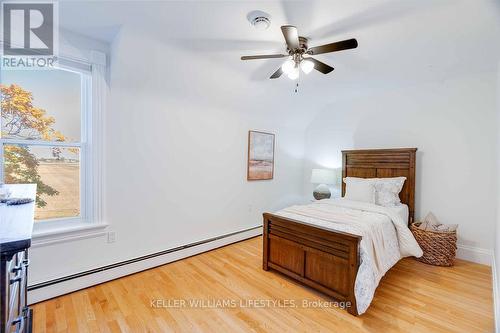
[(44, 126)]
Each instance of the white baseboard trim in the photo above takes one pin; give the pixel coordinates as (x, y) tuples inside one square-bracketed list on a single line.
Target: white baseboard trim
[(475, 254), (67, 285), (496, 304)]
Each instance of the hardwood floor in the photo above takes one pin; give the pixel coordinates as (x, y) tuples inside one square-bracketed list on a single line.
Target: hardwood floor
[(412, 297)]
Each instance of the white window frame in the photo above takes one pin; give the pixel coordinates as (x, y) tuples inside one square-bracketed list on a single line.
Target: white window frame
[(45, 229)]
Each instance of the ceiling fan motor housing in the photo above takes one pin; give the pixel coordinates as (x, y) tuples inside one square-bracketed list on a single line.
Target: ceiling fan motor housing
[(303, 46), (303, 42)]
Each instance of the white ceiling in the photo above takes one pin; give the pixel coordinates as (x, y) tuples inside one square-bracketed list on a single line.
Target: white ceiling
[(400, 42)]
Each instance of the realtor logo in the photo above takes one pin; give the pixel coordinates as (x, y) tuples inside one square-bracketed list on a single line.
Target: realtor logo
[(29, 32)]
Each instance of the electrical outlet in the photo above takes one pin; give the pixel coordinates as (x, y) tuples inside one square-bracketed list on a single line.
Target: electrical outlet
[(111, 237)]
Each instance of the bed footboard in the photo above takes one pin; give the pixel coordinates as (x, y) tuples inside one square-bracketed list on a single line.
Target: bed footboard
[(322, 259)]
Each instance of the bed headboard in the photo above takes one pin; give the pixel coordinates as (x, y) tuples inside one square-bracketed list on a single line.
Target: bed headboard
[(382, 163)]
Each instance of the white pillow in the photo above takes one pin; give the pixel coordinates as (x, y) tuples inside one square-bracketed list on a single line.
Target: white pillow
[(359, 189), (387, 191), (431, 219)]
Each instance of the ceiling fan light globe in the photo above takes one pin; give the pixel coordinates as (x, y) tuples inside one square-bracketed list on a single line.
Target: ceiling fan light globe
[(288, 66), (306, 66), (294, 74)]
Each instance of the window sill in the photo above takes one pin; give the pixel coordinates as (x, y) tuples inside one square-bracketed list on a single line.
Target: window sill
[(59, 233)]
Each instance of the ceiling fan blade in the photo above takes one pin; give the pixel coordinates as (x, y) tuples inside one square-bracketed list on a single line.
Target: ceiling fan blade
[(320, 66), (333, 47), (277, 74), (291, 36), (264, 56)]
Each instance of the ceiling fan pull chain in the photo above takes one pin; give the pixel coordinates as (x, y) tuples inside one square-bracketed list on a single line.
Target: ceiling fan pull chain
[(297, 87)]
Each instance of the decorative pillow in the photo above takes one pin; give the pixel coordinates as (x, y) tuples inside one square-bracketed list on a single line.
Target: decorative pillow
[(387, 191), (359, 189), (431, 219)]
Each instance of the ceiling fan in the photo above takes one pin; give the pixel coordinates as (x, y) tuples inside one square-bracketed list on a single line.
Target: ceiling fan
[(300, 53)]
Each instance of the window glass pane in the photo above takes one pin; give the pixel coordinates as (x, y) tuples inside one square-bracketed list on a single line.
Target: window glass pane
[(55, 170), (41, 105)]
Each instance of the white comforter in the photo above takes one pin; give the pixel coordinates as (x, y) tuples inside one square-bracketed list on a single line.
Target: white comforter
[(386, 237)]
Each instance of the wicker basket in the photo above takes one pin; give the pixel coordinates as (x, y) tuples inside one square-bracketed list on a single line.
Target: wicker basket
[(439, 247)]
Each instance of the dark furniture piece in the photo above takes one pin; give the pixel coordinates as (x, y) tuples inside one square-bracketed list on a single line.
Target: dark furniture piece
[(16, 224), (328, 260)]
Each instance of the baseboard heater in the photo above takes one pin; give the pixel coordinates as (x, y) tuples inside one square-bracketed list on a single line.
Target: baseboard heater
[(237, 236)]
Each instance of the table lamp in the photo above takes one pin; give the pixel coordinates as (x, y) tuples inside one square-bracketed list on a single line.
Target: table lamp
[(323, 177)]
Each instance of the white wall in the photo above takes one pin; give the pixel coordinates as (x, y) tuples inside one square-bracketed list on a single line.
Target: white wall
[(176, 152), (496, 273), (451, 122), (188, 167)]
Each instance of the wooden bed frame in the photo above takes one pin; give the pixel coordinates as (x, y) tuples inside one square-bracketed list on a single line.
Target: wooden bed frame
[(328, 260)]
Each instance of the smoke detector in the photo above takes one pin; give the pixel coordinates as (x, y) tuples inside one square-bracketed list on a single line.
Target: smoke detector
[(259, 20)]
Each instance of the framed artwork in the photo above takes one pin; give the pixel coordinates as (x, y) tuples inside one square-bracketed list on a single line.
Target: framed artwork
[(260, 156)]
